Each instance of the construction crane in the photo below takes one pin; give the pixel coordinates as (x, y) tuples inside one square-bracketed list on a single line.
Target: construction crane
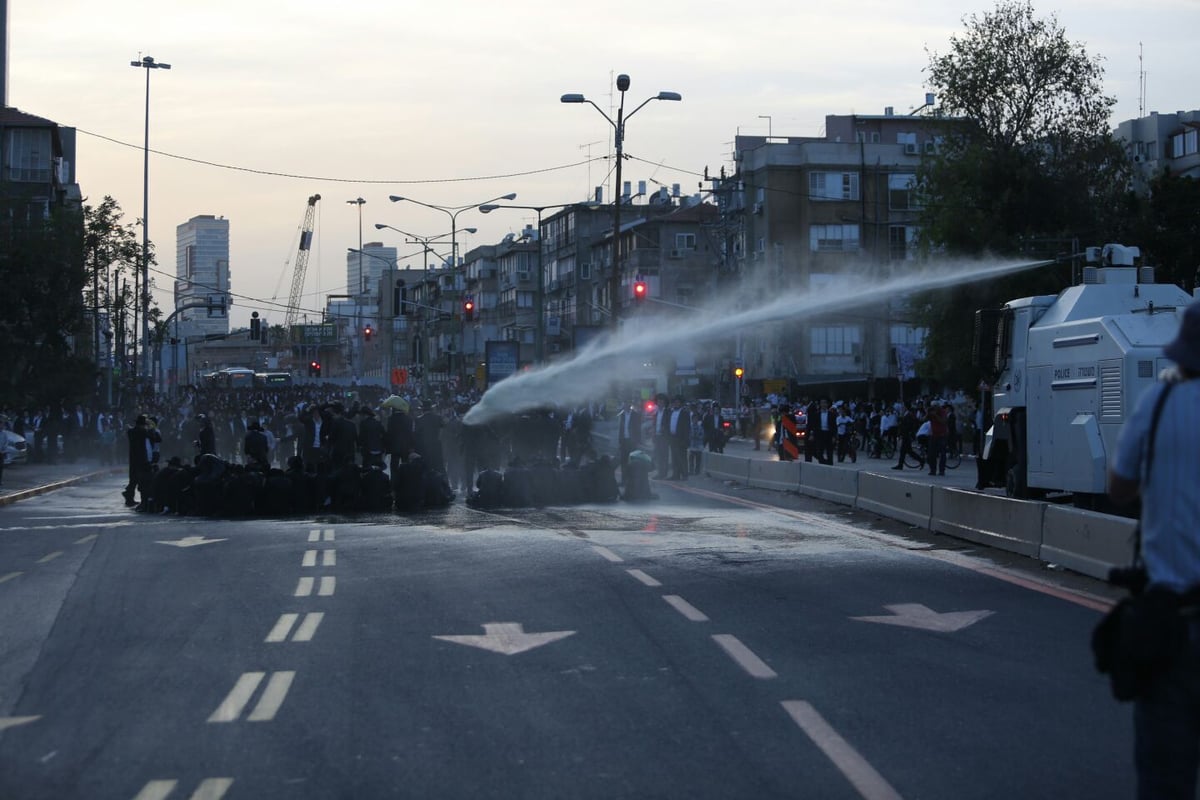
[(306, 232)]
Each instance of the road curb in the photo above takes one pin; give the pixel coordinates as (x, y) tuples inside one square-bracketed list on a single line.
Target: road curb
[(9, 499)]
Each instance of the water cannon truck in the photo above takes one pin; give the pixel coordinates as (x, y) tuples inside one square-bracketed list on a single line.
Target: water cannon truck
[(1066, 372)]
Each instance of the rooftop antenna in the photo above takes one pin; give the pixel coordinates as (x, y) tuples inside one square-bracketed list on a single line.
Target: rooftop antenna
[(588, 146), (1141, 84)]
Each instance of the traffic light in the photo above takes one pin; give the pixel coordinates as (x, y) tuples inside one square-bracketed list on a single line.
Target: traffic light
[(314, 369), (639, 291), (738, 372), (468, 310), (255, 326), (367, 331)]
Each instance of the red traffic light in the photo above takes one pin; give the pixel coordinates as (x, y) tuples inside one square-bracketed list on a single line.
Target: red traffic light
[(367, 331), (639, 291), (468, 310)]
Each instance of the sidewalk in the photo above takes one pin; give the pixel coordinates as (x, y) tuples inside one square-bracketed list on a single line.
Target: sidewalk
[(27, 480), (962, 478)]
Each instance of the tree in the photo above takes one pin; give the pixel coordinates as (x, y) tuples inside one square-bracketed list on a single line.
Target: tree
[(1027, 165), (1168, 229)]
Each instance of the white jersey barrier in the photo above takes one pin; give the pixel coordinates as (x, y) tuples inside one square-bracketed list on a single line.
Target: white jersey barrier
[(1083, 541)]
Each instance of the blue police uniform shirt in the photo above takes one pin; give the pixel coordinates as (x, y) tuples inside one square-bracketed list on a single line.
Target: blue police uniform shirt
[(1170, 500)]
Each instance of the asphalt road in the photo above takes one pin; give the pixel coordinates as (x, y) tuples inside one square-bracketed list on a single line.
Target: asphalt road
[(711, 644)]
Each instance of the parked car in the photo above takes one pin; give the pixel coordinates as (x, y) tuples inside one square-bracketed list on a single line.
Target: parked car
[(14, 447)]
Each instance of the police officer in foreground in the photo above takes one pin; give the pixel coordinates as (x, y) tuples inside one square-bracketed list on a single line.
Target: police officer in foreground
[(1167, 709)]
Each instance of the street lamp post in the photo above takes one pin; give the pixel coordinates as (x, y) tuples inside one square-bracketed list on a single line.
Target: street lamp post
[(539, 336), (147, 63), (618, 143), (355, 345), (452, 212)]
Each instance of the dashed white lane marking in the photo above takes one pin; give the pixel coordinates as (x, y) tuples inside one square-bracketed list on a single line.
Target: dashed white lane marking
[(608, 554), (305, 587), (314, 536), (862, 776), (327, 586), (308, 628), (329, 558), (231, 707), (643, 577), (87, 539), (329, 534), (310, 558), (156, 790), (744, 656), (282, 628), (49, 557), (209, 789), (268, 705), (688, 610), (272, 697), (10, 576)]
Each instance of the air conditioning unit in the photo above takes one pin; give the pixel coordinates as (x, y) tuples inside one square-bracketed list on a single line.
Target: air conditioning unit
[(676, 253), (930, 148), (910, 148), (522, 275), (758, 208)]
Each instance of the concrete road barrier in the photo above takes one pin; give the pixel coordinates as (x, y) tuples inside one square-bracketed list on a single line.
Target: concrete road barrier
[(1086, 541), (727, 467), (783, 476), (1001, 522), (829, 483), (907, 501)]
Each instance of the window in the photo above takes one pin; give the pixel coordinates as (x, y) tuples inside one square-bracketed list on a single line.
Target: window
[(1184, 144), (27, 155), (834, 340), (833, 185), (685, 241), (761, 245), (833, 238), (524, 299), (901, 191), (900, 242)]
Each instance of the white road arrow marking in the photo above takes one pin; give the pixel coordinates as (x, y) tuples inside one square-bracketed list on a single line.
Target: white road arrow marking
[(508, 638), (191, 541), (915, 615), (12, 722)]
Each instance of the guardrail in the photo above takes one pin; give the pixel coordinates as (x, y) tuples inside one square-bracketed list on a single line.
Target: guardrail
[(1083, 541)]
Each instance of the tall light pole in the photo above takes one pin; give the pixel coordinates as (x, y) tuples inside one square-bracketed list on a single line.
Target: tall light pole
[(361, 276), (355, 344), (539, 336), (618, 142), (452, 212), (147, 63)]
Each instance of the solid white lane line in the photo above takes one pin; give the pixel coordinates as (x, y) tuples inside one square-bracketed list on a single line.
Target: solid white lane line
[(327, 586), (688, 610), (10, 576), (50, 556), (231, 707), (304, 588), (272, 697), (643, 577), (308, 628), (743, 656), (156, 790), (329, 534), (310, 558), (329, 558), (862, 776), (608, 554), (314, 536), (87, 539), (212, 789), (282, 628)]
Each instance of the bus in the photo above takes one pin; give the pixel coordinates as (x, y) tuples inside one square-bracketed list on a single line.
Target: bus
[(272, 380), (231, 378)]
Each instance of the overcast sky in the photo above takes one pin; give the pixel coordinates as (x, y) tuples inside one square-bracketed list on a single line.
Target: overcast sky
[(457, 102)]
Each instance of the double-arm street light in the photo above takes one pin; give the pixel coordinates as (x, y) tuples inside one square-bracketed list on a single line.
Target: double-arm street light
[(147, 63), (539, 336), (618, 141), (361, 275), (452, 212), (424, 241)]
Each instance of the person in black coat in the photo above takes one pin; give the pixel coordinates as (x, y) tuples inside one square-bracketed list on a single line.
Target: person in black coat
[(427, 435), (372, 438), (400, 442), (314, 437), (343, 437), (629, 434), (139, 459), (256, 447), (206, 438), (679, 434)]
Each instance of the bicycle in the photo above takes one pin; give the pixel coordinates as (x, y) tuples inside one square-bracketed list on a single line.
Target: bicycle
[(918, 456), (883, 447)]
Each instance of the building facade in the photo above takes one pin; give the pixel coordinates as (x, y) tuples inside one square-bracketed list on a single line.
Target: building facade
[(364, 270), (1162, 142), (202, 275)]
